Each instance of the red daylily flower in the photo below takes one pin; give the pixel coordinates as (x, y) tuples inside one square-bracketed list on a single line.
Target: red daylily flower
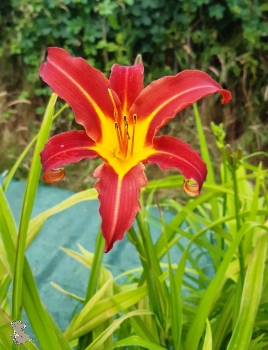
[(121, 118)]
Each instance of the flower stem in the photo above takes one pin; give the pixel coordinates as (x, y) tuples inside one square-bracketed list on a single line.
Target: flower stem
[(225, 179), (152, 270), (95, 269), (210, 176), (60, 111), (135, 240), (203, 145), (26, 150), (238, 225), (150, 264), (92, 286)]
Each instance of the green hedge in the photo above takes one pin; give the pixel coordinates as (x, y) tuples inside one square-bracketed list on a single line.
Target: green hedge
[(226, 38)]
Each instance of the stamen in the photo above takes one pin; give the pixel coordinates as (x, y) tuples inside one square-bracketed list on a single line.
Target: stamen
[(114, 105), (123, 135), (120, 141), (133, 133), (118, 129)]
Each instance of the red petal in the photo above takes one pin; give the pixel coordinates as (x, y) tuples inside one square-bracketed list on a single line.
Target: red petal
[(164, 98), (127, 82), (119, 200), (173, 153), (83, 87), (65, 148)]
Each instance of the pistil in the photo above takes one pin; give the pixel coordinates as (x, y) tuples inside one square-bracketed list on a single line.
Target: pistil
[(126, 139)]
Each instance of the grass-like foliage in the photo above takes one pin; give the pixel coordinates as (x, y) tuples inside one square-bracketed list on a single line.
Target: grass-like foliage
[(161, 305)]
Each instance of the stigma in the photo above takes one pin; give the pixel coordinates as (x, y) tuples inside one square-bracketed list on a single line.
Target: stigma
[(125, 141)]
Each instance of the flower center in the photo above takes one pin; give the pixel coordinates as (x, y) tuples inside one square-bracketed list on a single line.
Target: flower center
[(126, 147)]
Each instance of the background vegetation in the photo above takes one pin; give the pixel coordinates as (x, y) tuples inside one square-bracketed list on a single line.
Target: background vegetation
[(228, 221), (227, 39)]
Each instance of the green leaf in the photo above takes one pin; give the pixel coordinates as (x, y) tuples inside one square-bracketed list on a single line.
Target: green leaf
[(174, 299), (208, 301), (18, 162), (251, 295), (208, 337), (71, 295), (223, 321), (48, 335), (8, 232), (5, 330), (24, 153), (135, 340), (203, 145), (107, 308), (248, 241), (95, 345), (158, 292), (37, 222), (28, 202), (77, 321)]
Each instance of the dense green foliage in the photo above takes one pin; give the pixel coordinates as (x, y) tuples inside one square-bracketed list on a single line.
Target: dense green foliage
[(227, 38)]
